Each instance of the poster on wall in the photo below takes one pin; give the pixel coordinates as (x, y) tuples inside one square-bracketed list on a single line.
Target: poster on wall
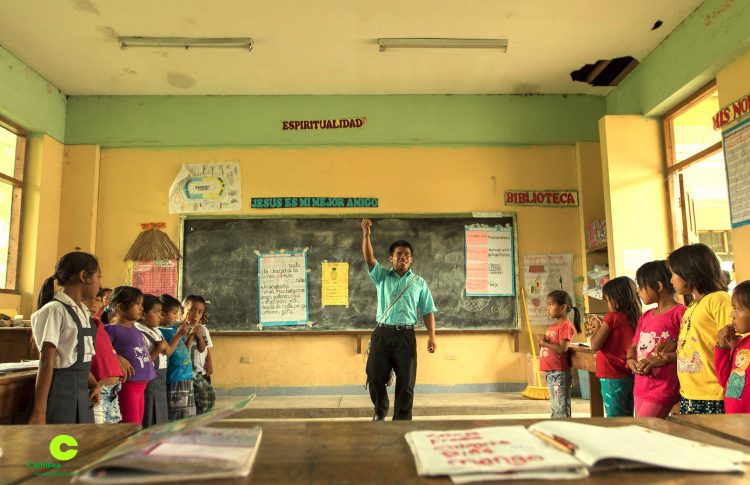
[(489, 261), (737, 158), (282, 288), (206, 187), (543, 273), (153, 277), (335, 284)]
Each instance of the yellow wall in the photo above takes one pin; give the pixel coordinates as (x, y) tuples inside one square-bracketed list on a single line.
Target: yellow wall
[(734, 82), (712, 215), (79, 200), (134, 185), (635, 191), (591, 199), (40, 217)]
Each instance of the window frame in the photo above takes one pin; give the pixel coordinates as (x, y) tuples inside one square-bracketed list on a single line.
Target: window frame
[(10, 285)]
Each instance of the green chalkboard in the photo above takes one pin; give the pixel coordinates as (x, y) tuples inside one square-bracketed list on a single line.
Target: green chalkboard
[(220, 262)]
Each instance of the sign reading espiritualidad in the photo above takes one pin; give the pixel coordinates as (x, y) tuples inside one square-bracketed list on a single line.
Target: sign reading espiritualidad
[(545, 198), (331, 124), (309, 202)]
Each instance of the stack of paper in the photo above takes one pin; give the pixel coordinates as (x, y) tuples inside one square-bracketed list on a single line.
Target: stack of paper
[(496, 453)]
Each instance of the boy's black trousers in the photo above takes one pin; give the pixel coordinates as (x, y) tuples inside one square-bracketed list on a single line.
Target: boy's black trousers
[(392, 347)]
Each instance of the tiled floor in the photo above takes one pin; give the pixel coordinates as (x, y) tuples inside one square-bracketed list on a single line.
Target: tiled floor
[(499, 405)]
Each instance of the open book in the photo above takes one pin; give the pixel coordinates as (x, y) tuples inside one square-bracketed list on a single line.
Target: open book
[(558, 450), (180, 450)]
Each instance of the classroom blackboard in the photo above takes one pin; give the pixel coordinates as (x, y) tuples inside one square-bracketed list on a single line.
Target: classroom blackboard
[(220, 262)]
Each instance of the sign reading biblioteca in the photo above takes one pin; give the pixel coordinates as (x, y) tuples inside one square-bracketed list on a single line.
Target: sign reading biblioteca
[(545, 198), (310, 202)]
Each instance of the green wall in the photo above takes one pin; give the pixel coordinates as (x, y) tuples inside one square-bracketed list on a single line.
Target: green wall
[(716, 33), (122, 121), (29, 100)]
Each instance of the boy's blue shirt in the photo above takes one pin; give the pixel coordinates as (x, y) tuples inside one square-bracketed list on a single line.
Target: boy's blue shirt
[(180, 366)]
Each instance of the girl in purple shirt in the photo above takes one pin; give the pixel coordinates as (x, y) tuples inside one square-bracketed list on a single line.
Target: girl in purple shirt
[(128, 342)]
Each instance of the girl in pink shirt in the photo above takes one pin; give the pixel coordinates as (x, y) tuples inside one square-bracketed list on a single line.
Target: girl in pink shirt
[(553, 355), (656, 388), (733, 353)]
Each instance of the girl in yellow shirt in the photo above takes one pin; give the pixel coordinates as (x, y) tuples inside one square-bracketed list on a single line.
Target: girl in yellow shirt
[(696, 271)]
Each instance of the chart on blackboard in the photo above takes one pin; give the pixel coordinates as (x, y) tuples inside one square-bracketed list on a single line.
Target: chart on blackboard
[(308, 274)]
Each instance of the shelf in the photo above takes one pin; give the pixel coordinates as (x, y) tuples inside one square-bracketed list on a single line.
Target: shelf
[(597, 249)]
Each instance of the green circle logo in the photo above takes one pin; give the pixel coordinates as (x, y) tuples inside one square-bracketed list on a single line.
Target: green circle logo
[(55, 447)]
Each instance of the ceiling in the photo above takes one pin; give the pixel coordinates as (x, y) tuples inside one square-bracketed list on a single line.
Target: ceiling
[(329, 47)]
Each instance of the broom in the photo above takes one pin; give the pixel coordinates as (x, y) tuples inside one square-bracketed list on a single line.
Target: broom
[(533, 392)]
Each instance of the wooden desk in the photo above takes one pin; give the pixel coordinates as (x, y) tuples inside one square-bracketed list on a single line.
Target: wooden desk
[(30, 443), (734, 427), (16, 344), (16, 396), (585, 358), (354, 452)]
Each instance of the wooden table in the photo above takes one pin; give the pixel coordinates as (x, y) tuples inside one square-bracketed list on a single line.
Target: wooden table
[(16, 396), (585, 358), (734, 427), (16, 344), (349, 452), (30, 443)]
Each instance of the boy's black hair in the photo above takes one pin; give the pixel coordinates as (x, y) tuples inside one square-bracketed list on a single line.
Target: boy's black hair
[(623, 295), (561, 297), (650, 274), (149, 301), (168, 302), (742, 294), (699, 267), (66, 273), (127, 296), (193, 299), (102, 291), (400, 244)]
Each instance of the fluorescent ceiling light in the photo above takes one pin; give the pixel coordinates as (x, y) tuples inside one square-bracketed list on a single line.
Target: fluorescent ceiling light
[(420, 43), (187, 42)]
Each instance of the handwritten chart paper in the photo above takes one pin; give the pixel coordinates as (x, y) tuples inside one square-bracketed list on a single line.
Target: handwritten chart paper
[(489, 261), (206, 187), (737, 157), (484, 450), (153, 277), (282, 289), (335, 285), (543, 273)]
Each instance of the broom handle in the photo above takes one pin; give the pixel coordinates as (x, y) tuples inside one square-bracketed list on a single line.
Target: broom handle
[(531, 337)]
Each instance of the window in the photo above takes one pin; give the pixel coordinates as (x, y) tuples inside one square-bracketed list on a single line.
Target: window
[(720, 242), (12, 150)]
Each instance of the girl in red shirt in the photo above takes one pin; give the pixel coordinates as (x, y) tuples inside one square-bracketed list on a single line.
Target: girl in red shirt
[(553, 354), (733, 353), (612, 339)]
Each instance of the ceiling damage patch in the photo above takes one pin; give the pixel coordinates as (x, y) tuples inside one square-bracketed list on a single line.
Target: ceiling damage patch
[(607, 72)]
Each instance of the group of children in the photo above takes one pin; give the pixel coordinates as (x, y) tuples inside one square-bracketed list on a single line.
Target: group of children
[(697, 355), (117, 355)]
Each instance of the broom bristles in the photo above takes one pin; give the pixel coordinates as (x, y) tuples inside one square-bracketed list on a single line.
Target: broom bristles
[(536, 392), (151, 245)]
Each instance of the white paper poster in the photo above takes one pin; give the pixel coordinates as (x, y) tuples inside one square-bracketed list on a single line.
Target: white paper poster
[(490, 267), (737, 157), (543, 273), (206, 187), (282, 288)]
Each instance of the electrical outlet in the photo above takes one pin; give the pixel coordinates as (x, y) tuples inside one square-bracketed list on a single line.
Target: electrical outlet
[(246, 359), (449, 356)]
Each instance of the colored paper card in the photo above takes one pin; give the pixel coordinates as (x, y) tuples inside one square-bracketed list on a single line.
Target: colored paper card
[(282, 288), (153, 277), (206, 187), (335, 284), (490, 265), (543, 273)]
